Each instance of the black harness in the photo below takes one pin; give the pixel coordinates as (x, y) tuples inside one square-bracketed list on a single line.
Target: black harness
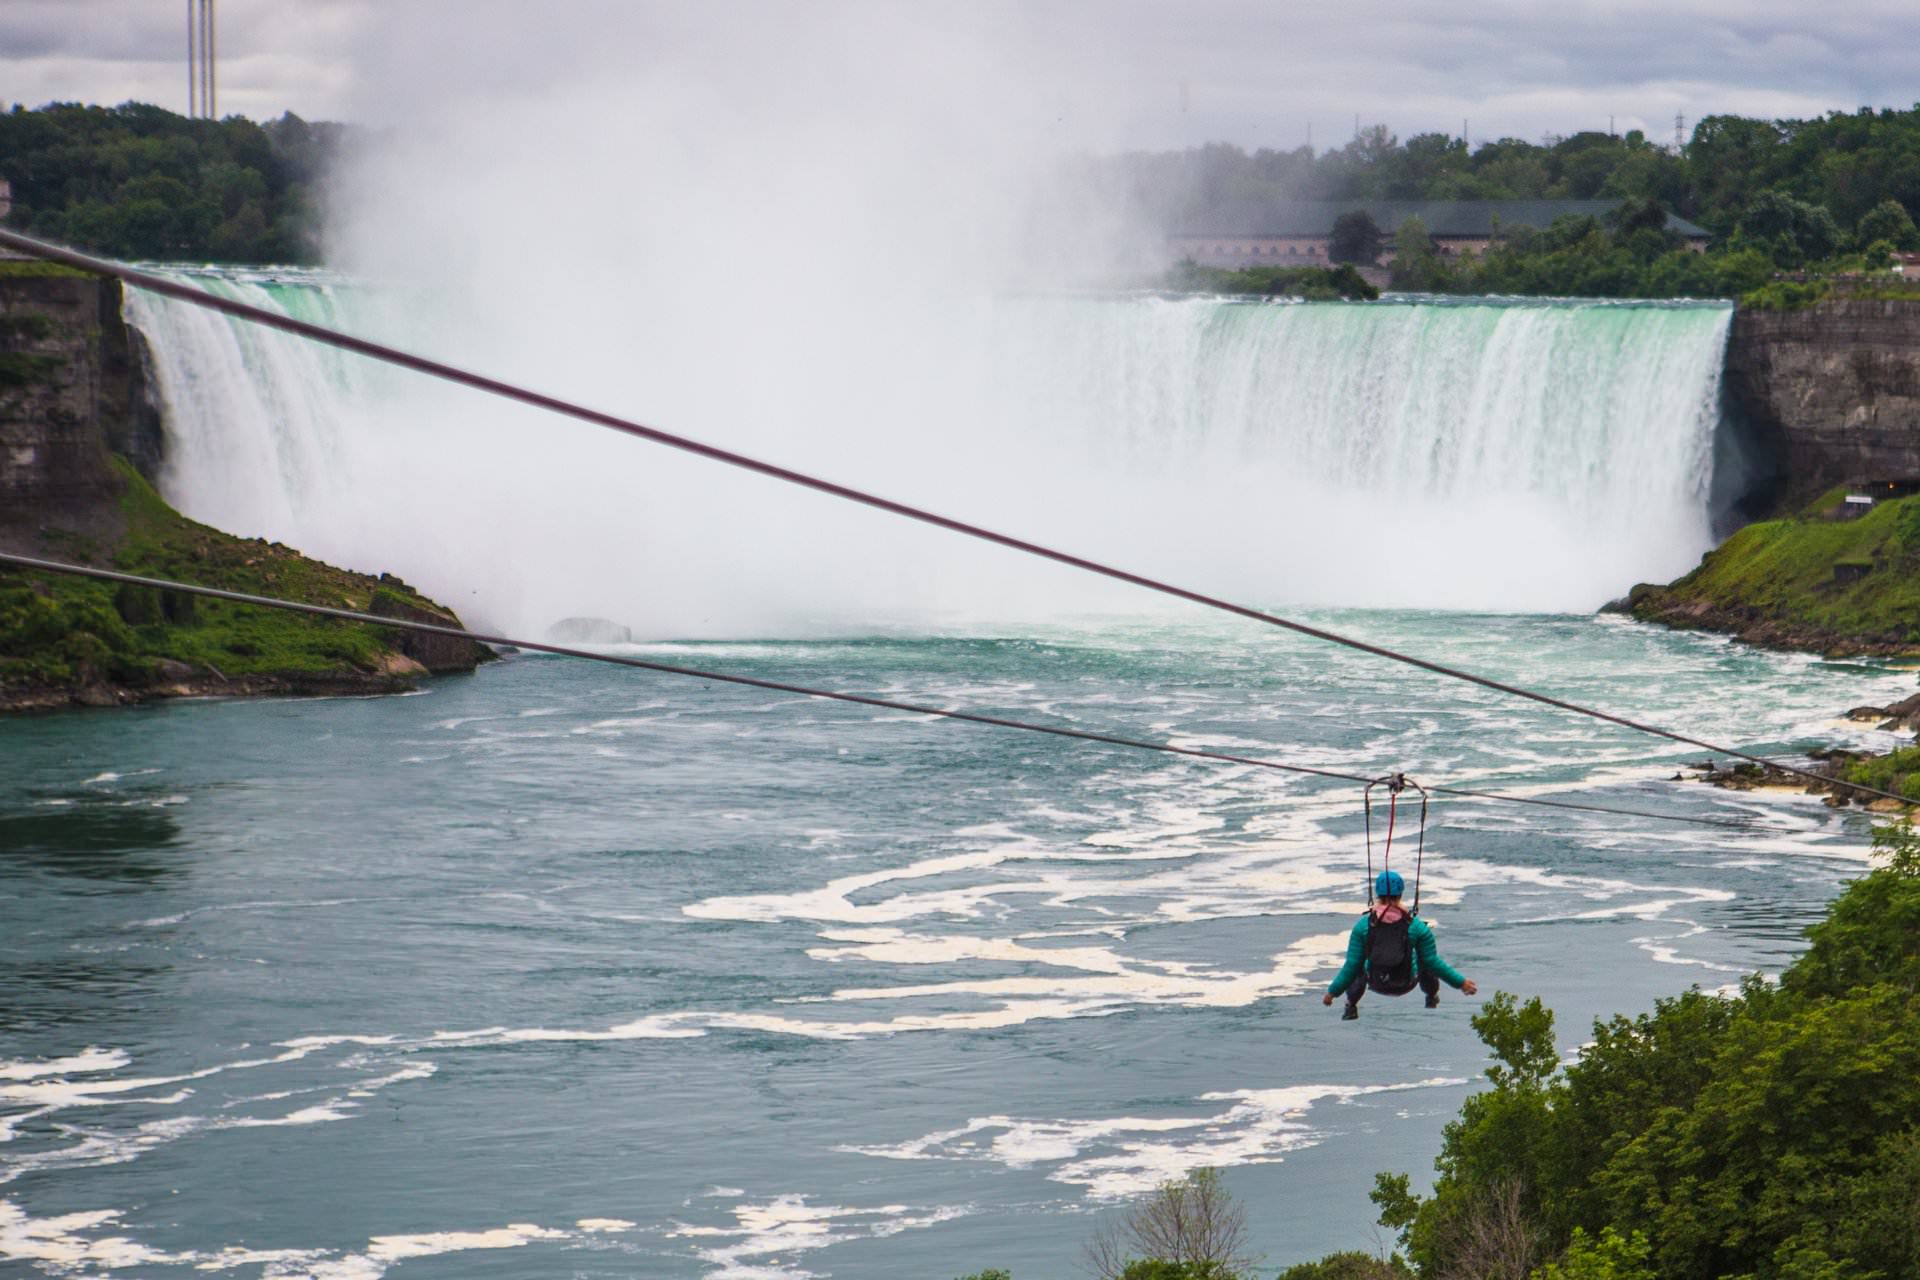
[(1389, 963)]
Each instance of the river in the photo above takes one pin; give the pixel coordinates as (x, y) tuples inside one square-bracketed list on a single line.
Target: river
[(560, 971)]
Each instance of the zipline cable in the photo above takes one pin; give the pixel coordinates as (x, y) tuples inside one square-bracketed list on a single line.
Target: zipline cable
[(493, 386), (34, 564)]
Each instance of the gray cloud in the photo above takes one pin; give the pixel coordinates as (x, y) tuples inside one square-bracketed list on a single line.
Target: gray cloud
[(1113, 73)]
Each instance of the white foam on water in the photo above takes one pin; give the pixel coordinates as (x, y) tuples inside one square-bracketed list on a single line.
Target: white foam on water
[(1112, 980), (87, 1060), (72, 1243), (788, 1225), (64, 1244), (1132, 1155), (512, 1236), (92, 1147)]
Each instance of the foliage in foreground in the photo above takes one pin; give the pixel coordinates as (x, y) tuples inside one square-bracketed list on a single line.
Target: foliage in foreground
[(1774, 1133), (1771, 1133)]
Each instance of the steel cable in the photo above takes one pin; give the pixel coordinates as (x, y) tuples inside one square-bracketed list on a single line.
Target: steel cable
[(33, 564), (493, 386)]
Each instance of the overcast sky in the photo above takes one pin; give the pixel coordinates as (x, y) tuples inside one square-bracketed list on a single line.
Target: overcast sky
[(1112, 72)]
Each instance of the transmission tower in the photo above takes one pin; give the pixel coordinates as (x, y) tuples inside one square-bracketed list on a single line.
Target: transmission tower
[(201, 98), (1679, 133)]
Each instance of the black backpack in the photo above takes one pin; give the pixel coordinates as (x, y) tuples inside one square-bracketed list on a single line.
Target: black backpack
[(1390, 956)]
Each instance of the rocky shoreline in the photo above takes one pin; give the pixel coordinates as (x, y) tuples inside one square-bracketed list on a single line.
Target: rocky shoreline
[(1835, 766), (181, 680), (1752, 625)]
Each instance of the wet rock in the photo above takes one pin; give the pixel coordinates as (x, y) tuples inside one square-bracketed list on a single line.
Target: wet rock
[(588, 631), (435, 653)]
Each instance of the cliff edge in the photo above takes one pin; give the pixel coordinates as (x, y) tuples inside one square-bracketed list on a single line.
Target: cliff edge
[(79, 440), (1830, 392)]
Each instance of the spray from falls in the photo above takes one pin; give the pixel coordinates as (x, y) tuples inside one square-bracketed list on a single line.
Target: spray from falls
[(1477, 455)]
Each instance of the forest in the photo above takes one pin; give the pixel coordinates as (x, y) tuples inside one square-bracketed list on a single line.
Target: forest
[(141, 182), (1822, 196), (1827, 196)]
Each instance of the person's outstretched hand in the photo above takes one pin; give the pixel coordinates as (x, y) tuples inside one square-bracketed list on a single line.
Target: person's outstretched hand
[(1327, 998), (1470, 987)]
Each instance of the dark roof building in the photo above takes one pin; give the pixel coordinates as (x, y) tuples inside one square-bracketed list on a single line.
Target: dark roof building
[(1297, 230)]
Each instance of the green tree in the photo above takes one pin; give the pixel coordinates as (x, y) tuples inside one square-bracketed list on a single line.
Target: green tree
[(1355, 238), (1417, 266), (1789, 227), (1771, 1133), (1349, 1265), (138, 181), (1889, 221), (1611, 1257)]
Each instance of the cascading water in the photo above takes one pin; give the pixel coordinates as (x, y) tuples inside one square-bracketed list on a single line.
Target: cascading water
[(1537, 456)]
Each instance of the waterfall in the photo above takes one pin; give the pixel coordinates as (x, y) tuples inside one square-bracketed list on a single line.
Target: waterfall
[(1478, 454)]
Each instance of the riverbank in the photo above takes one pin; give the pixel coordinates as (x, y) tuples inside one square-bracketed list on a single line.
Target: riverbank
[(68, 641), (1814, 581), (80, 439)]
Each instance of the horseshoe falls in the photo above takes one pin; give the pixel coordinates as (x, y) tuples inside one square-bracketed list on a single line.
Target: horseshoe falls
[(1476, 454), (560, 970)]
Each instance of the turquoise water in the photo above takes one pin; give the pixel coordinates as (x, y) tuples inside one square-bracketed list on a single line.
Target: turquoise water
[(564, 971)]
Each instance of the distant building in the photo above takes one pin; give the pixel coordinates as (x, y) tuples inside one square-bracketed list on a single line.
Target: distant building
[(6, 197), (1295, 232)]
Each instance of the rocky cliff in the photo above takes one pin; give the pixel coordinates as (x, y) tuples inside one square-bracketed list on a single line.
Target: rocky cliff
[(1829, 393), (79, 440), (72, 393)]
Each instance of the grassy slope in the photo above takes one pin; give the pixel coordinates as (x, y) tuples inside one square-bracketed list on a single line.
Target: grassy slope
[(57, 630), (1777, 577)]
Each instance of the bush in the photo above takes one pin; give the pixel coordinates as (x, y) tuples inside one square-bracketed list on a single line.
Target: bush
[(1350, 1265), (1771, 1133), (1191, 1229)]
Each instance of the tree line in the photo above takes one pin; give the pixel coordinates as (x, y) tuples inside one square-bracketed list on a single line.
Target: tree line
[(1828, 195), (138, 181)]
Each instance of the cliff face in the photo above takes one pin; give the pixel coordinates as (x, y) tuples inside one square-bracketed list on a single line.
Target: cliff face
[(72, 390), (1831, 393), (79, 439)]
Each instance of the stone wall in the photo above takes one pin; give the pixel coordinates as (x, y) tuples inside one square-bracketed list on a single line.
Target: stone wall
[(73, 386), (1830, 394)]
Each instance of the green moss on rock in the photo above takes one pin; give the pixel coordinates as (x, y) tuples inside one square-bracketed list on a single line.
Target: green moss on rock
[(58, 630), (1849, 586)]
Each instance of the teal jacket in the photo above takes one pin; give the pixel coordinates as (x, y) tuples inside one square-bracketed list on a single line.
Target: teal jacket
[(1426, 956)]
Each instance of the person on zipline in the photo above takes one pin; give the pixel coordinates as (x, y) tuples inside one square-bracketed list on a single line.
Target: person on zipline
[(1392, 950)]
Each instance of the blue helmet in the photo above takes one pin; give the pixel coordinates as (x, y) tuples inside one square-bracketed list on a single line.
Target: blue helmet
[(1389, 885)]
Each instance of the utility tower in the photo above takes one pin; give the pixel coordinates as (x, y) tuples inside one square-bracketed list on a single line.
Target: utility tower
[(1679, 133), (201, 100)]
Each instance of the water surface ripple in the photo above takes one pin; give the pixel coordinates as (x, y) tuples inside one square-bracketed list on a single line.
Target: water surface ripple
[(564, 971)]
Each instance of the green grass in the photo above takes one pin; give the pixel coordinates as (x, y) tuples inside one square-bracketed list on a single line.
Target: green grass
[(38, 269), (1826, 501), (1783, 570), (56, 629)]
